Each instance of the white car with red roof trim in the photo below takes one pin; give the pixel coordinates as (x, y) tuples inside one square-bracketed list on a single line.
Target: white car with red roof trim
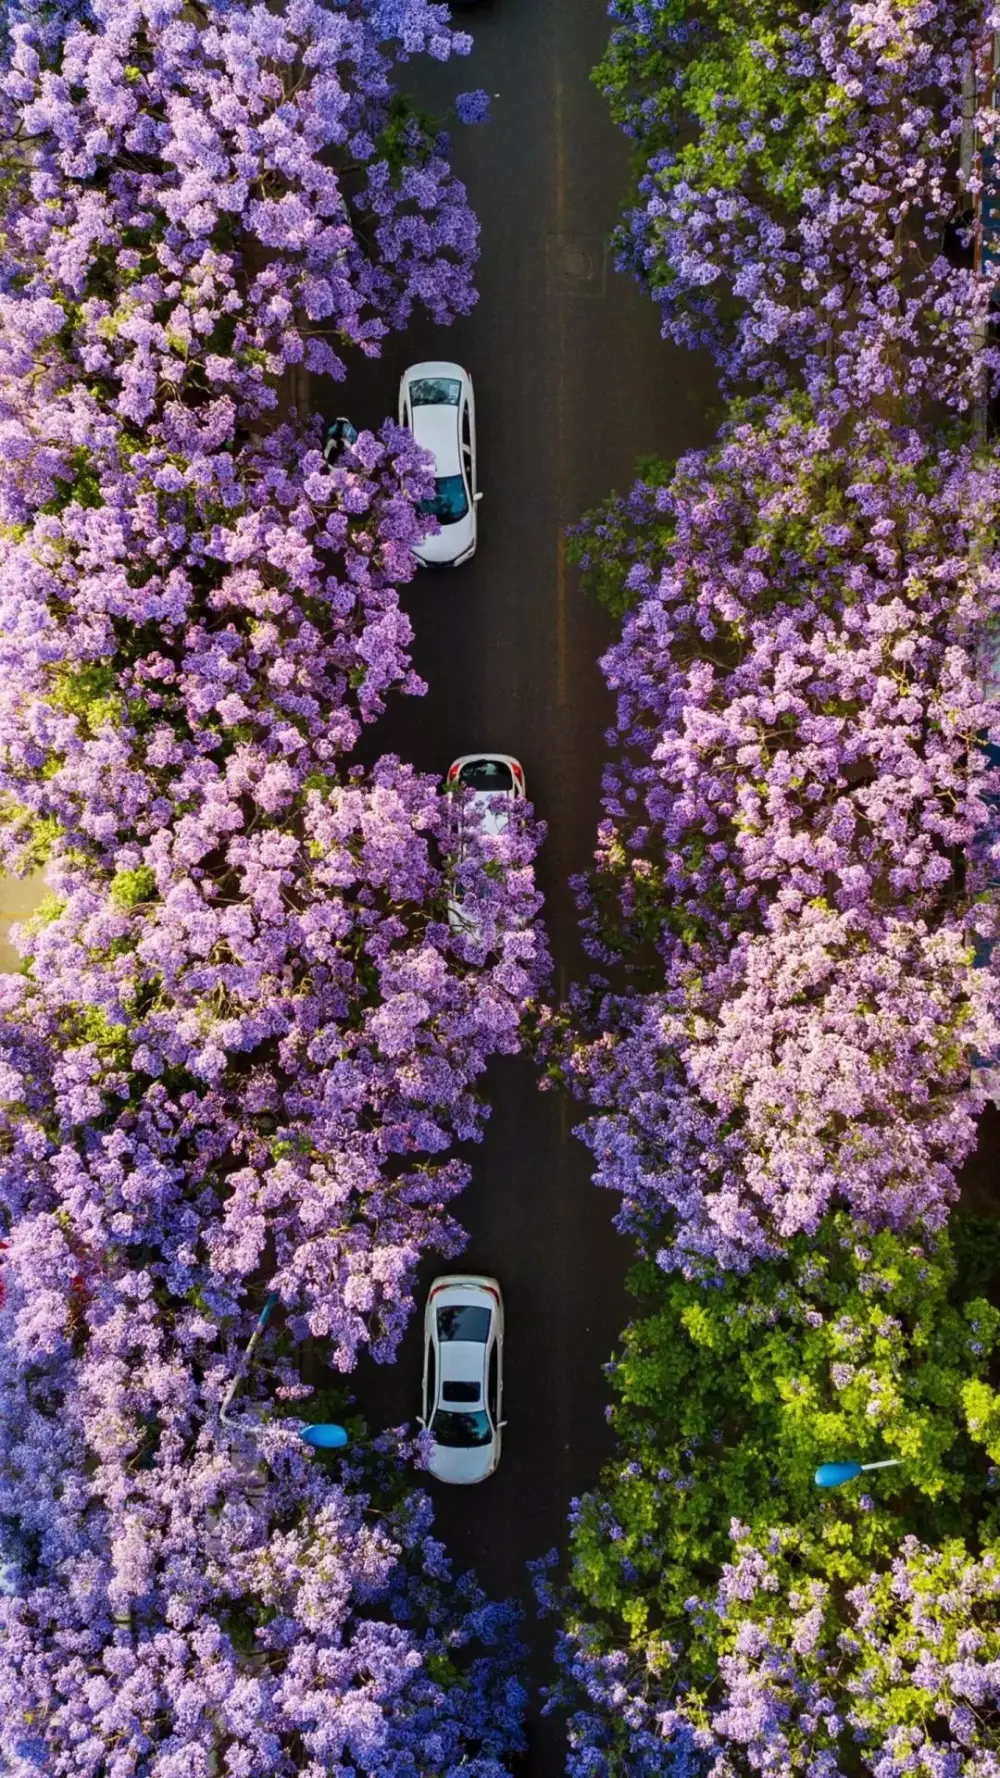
[(496, 783)]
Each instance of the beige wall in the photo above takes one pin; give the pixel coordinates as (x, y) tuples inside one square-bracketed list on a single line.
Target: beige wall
[(18, 898)]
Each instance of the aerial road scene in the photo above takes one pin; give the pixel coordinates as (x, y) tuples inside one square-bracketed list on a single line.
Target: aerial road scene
[(499, 889)]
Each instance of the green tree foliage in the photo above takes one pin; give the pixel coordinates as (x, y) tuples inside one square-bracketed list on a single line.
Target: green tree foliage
[(728, 1394), (623, 533)]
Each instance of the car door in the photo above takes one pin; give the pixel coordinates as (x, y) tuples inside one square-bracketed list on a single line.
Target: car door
[(494, 1386), (468, 443), (430, 1381)]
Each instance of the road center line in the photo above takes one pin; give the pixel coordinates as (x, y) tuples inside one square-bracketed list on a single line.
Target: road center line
[(560, 301)]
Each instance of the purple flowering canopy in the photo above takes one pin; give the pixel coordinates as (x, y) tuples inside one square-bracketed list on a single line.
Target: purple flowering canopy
[(910, 1686), (178, 1602), (796, 170), (790, 823), (793, 900), (245, 1033)]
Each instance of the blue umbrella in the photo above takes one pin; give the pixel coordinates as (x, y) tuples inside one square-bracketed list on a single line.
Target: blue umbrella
[(324, 1438), (830, 1475)]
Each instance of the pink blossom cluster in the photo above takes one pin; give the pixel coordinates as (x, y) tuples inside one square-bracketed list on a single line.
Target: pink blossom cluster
[(826, 1063)]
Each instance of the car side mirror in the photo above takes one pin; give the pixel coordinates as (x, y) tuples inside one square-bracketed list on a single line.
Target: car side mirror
[(478, 496)]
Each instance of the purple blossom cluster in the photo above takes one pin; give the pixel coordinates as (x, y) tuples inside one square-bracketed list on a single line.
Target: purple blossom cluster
[(159, 129), (263, 1065), (176, 1601), (912, 1686), (797, 826), (245, 1035), (790, 217)]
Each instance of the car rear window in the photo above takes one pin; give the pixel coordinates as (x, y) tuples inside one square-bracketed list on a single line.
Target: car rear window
[(463, 1321), (460, 1392), (435, 392), (487, 774)]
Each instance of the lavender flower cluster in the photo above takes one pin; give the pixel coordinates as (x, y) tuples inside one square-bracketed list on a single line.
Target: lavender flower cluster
[(795, 172), (798, 820), (793, 902), (799, 817), (244, 1036)]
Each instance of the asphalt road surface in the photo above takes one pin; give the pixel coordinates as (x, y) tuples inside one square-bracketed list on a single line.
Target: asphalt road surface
[(572, 384)]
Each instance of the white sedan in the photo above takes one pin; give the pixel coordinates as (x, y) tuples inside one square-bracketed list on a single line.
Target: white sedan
[(436, 404), (463, 1376), (496, 781)]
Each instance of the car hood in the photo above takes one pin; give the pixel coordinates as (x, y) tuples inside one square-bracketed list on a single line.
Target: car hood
[(449, 542), (462, 1466)]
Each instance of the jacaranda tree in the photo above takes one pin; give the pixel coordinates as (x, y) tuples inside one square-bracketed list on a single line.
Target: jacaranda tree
[(790, 872), (725, 1614), (245, 1032), (792, 910), (183, 1598), (794, 172)]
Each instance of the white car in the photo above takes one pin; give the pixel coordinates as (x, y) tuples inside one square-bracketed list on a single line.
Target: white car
[(463, 1376), (436, 404), (496, 781)]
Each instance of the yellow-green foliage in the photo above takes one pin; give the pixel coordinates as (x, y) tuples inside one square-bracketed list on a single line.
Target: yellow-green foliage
[(729, 1394)]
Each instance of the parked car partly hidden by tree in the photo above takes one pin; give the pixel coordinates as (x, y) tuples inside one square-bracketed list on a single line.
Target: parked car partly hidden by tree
[(486, 789)]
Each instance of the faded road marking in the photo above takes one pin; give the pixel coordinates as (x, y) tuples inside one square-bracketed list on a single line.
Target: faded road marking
[(560, 305)]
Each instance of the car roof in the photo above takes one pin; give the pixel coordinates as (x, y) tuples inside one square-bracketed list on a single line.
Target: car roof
[(436, 428), (494, 810), (463, 1287), (463, 1361)]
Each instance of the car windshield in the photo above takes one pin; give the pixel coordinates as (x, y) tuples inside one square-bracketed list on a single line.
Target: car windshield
[(449, 503), (435, 392), (460, 1392), (487, 774), (462, 1321), (460, 1431)]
